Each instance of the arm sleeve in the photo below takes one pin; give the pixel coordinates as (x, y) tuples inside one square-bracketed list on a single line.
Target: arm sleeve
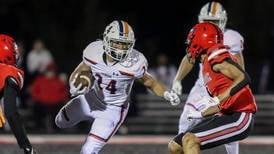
[(140, 72), (11, 91)]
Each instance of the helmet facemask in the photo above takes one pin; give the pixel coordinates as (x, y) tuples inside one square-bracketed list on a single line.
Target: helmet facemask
[(117, 49), (118, 40)]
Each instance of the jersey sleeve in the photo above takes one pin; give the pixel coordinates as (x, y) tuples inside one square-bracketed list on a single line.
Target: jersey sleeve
[(218, 56), (90, 52), (143, 66), (235, 41)]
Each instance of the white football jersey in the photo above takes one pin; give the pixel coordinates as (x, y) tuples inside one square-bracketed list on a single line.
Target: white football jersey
[(235, 41), (113, 83)]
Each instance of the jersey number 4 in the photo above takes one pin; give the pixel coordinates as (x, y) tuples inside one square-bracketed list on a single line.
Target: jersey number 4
[(111, 85)]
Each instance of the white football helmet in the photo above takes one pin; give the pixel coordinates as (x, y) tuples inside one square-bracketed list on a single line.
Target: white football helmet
[(215, 13), (118, 40)]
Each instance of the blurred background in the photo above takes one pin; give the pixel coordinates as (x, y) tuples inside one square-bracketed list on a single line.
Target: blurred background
[(53, 33)]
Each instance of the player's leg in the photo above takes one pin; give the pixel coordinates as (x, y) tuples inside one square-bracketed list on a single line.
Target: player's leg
[(232, 148), (76, 110), (191, 144), (184, 123), (105, 125), (224, 129), (215, 131), (184, 143)]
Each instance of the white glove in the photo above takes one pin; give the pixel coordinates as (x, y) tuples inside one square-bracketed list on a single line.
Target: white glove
[(177, 87), (74, 91), (193, 114), (172, 97), (211, 101)]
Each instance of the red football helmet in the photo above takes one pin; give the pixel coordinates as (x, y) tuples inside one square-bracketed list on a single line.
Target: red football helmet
[(8, 50), (201, 37)]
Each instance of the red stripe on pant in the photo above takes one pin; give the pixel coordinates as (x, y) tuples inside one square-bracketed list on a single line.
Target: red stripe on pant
[(226, 131), (114, 130)]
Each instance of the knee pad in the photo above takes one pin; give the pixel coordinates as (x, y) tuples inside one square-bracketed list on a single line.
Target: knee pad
[(92, 146)]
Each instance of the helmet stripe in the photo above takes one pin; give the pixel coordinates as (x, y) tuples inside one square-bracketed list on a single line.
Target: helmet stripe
[(209, 8), (126, 28), (214, 8), (121, 28)]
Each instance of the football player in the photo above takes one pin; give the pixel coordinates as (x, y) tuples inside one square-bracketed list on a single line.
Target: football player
[(215, 13), (114, 66), (227, 115), (11, 82)]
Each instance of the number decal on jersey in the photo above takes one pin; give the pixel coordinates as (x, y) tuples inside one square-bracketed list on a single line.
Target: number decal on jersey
[(99, 80), (110, 87)]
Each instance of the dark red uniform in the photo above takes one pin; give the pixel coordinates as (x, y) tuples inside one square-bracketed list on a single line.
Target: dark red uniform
[(10, 71), (216, 82)]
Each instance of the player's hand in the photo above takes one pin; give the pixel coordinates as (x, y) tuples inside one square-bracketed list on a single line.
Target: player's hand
[(172, 97), (74, 91), (2, 118), (177, 87), (193, 114)]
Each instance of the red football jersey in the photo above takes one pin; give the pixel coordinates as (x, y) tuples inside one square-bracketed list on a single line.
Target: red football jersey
[(10, 71), (216, 83)]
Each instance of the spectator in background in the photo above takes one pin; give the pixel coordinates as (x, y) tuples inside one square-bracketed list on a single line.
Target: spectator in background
[(48, 92), (264, 76), (38, 58), (164, 71)]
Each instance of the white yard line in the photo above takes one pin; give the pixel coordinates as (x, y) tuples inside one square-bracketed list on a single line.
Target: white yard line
[(131, 139)]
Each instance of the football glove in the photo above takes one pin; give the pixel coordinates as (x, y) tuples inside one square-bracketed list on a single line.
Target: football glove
[(172, 97), (74, 91), (177, 87)]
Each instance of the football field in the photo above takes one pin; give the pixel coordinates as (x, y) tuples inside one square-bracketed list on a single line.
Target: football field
[(71, 144)]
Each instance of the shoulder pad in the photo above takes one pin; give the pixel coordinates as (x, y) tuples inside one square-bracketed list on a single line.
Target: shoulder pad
[(91, 52), (234, 40)]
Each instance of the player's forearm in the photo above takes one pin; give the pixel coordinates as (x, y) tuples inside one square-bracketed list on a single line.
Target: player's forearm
[(158, 89), (238, 76), (184, 68), (240, 60), (240, 82), (211, 111)]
